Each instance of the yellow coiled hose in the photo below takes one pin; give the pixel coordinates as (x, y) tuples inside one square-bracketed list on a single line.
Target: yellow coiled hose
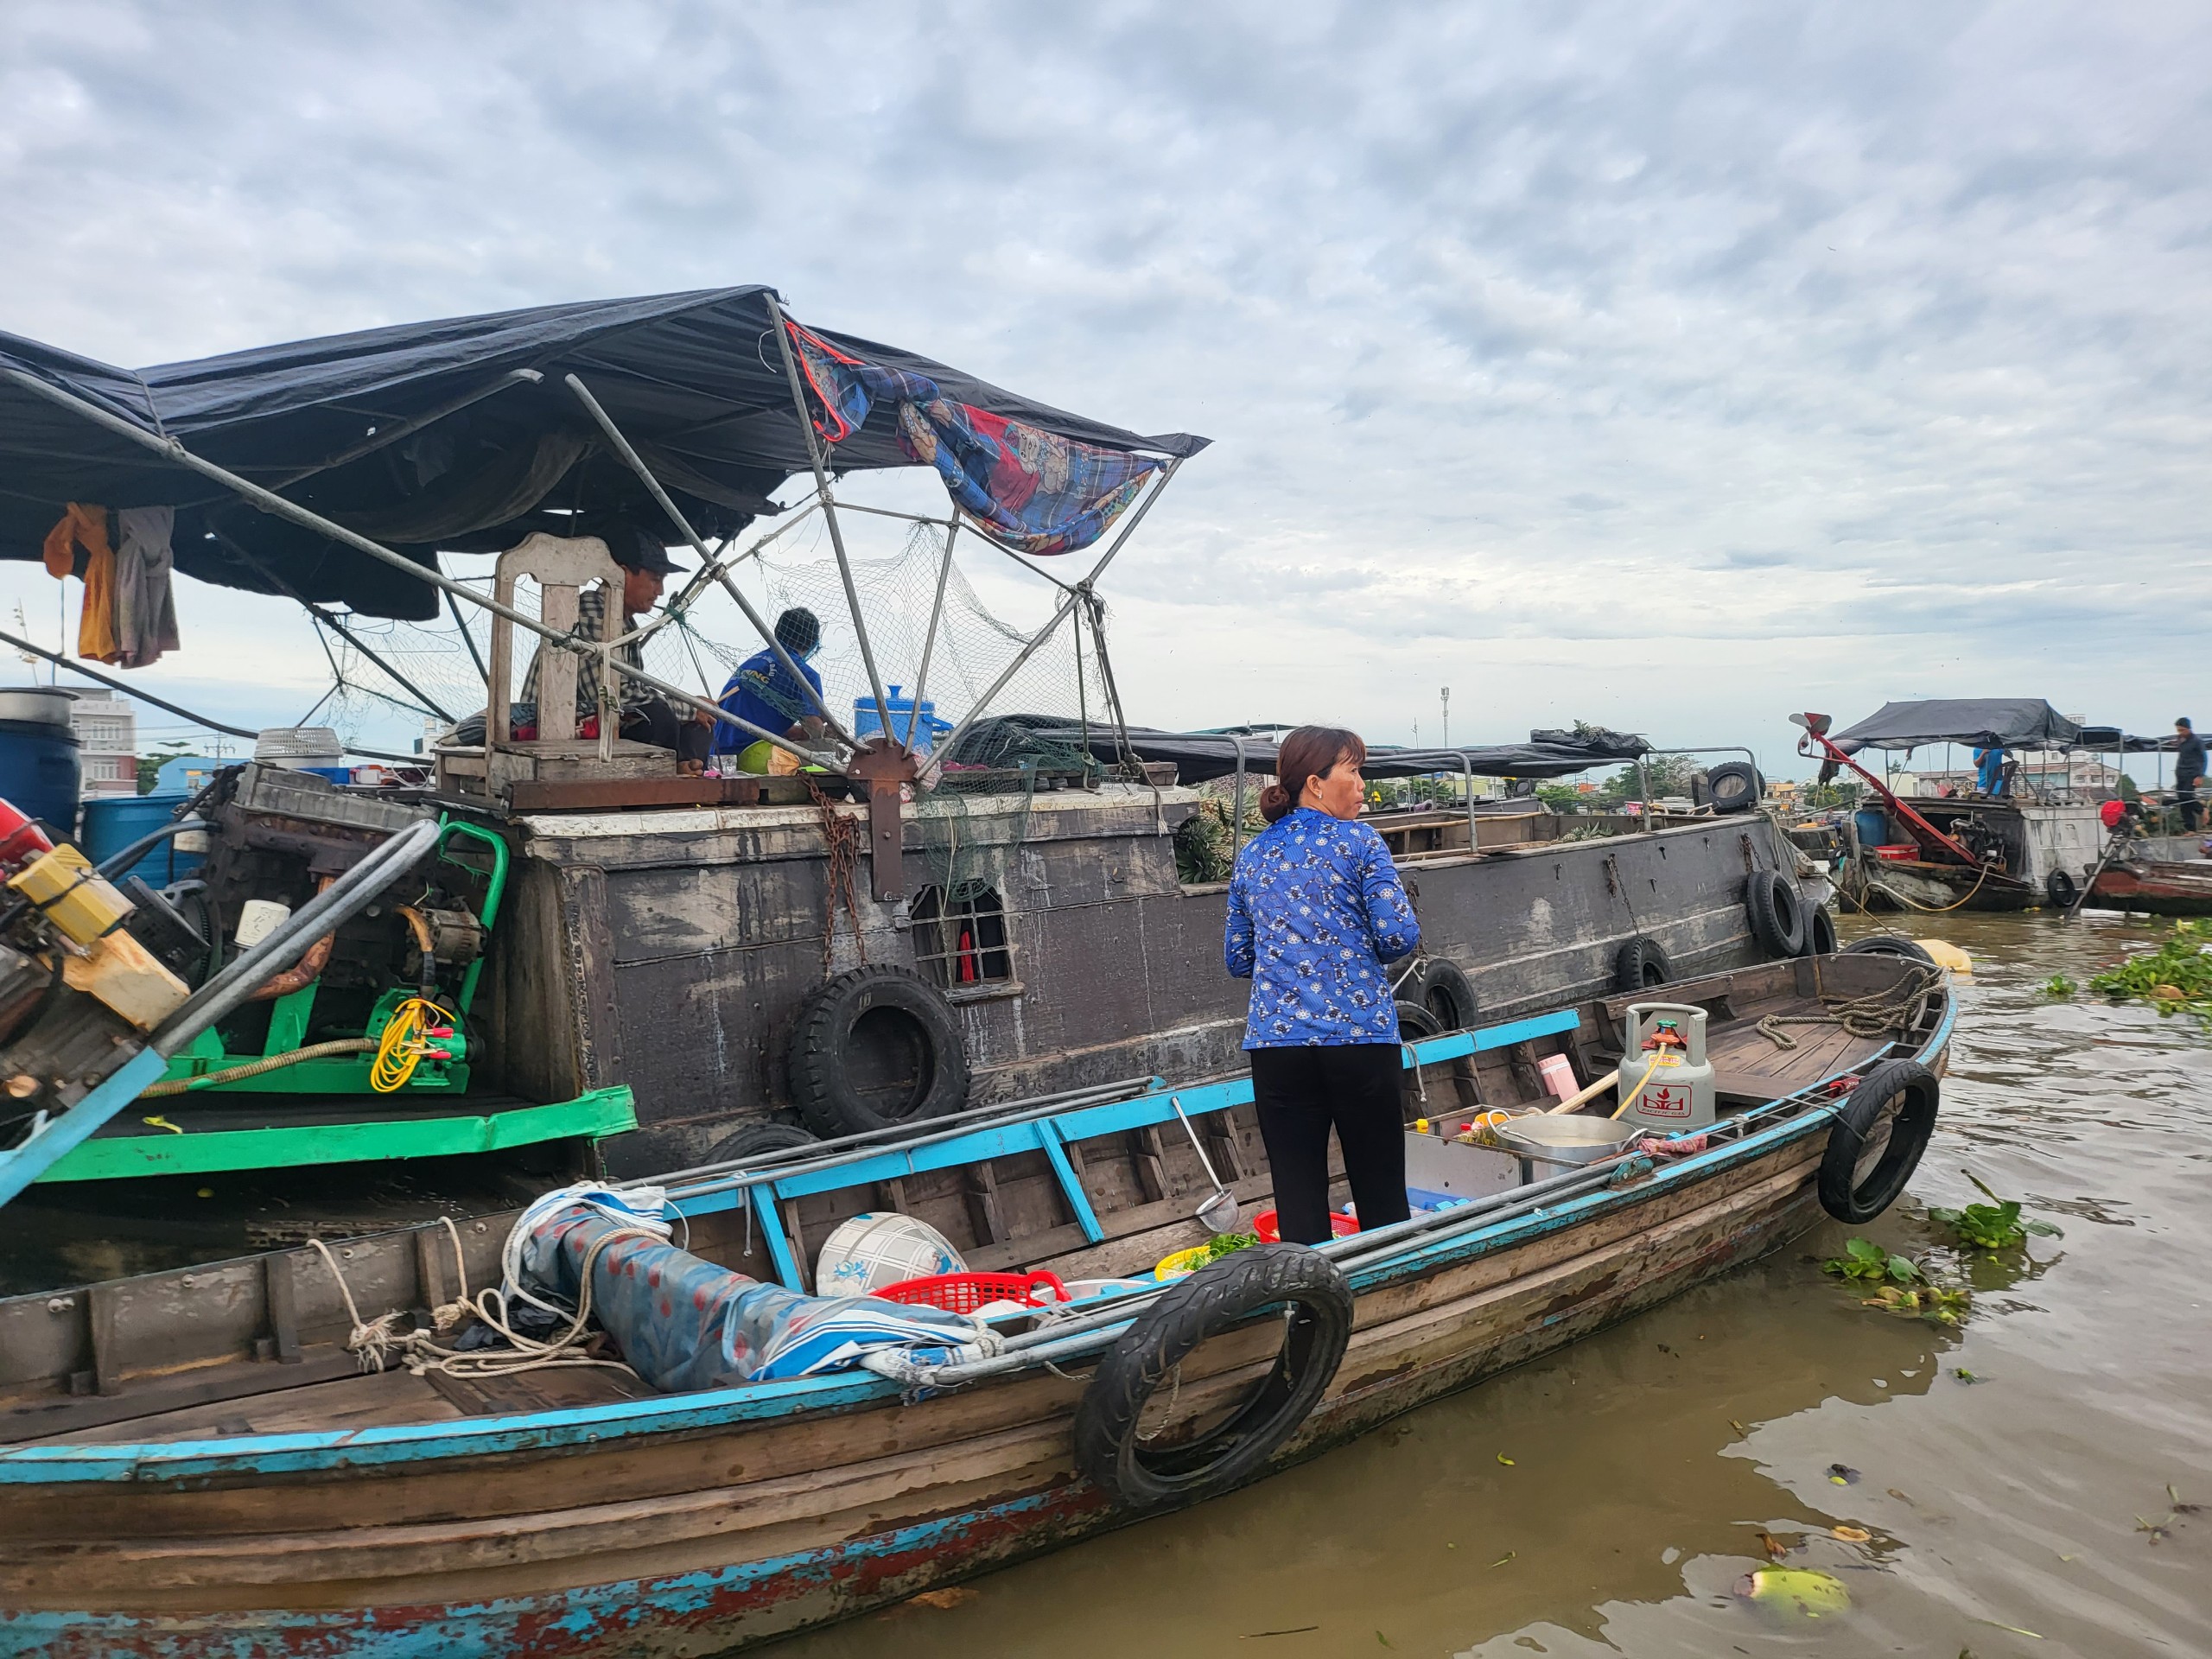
[(404, 1043)]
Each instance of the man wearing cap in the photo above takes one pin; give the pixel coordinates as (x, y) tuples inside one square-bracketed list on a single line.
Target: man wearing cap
[(2189, 772), (646, 716)]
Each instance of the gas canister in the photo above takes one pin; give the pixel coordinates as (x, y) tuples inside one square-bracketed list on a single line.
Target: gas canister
[(1665, 1082)]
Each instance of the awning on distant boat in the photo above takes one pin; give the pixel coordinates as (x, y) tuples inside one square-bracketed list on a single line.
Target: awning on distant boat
[(1201, 755), (427, 437), (1984, 722)]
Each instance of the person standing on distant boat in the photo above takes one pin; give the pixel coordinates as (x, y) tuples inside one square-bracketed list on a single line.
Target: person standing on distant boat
[(1315, 910), (2189, 772), (1989, 772)]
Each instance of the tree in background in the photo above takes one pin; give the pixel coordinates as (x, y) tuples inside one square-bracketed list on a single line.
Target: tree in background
[(1663, 775), (149, 765)]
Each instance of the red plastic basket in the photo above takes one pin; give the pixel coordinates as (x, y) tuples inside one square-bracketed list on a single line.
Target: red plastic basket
[(1270, 1231), (963, 1293), (1902, 850)]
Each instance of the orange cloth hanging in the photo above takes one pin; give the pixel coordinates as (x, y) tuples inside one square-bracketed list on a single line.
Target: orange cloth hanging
[(87, 527)]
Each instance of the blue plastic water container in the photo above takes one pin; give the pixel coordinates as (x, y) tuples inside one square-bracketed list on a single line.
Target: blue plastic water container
[(1873, 826), (41, 770), (114, 822), (925, 729)]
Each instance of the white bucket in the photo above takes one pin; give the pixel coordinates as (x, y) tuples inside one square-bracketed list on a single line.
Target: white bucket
[(879, 1248)]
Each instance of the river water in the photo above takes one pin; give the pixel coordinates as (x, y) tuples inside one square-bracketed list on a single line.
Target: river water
[(2005, 1472)]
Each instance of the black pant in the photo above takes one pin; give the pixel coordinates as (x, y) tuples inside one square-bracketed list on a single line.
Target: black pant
[(1303, 1093), (656, 722), (2192, 809)]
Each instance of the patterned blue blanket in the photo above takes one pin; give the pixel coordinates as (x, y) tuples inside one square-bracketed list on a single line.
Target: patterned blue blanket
[(1025, 488)]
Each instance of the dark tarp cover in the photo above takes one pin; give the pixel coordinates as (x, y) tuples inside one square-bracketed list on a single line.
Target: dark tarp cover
[(1985, 722), (418, 435), (1202, 755)]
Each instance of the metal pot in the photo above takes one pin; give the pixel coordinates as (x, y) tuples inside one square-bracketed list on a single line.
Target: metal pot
[(1571, 1140), (36, 705)]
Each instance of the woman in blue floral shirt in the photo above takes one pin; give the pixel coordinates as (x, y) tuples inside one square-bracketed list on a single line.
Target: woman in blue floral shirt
[(1315, 909)]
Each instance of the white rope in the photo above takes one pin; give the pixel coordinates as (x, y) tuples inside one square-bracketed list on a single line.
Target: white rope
[(379, 1342)]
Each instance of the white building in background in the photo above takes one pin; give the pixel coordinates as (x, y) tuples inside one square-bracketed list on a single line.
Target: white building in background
[(107, 730)]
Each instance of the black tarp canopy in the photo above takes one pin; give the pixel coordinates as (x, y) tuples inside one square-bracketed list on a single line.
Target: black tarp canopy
[(1201, 755), (1985, 722), (422, 436)]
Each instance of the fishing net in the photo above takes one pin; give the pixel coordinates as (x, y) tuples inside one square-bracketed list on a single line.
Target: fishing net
[(972, 617)]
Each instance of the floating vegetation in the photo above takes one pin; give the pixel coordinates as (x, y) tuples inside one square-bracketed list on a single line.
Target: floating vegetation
[(1864, 1259), (2059, 985), (2175, 978), (1945, 1303), (1793, 1591), (1996, 1225), (1904, 1285)]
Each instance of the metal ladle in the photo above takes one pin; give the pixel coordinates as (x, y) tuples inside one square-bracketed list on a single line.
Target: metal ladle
[(1221, 1213)]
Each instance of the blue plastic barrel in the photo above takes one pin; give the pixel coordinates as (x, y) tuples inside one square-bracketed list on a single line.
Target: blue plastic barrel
[(1873, 826), (113, 821), (866, 722), (41, 770)]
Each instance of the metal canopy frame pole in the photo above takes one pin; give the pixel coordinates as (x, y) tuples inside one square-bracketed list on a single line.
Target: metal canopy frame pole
[(636, 463), (1061, 615), (423, 699), (929, 639), (269, 501), (179, 709), (469, 640), (1467, 765), (829, 511), (1237, 809)]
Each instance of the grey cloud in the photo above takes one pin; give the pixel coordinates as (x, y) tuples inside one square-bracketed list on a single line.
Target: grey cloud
[(1521, 330)]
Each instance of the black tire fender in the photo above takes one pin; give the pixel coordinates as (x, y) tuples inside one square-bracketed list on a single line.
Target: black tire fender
[(828, 1060), (1889, 944), (1140, 1364), (2062, 889), (1734, 786), (1442, 987), (1416, 1023), (1640, 965), (1820, 930), (1877, 1139), (1777, 922), (753, 1139)]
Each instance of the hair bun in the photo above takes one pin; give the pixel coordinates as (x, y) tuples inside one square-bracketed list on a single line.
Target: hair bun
[(1274, 803)]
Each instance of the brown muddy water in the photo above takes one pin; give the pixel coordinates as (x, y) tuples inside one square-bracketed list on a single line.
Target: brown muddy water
[(2008, 1473)]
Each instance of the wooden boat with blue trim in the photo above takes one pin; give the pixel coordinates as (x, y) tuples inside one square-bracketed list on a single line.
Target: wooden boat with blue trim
[(198, 1463)]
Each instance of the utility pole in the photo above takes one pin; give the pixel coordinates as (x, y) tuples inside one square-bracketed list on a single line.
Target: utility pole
[(1446, 696)]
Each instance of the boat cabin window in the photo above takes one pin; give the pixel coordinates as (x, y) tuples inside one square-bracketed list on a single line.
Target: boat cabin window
[(964, 939)]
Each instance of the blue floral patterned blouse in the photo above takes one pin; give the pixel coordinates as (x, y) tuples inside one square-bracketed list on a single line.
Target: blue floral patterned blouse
[(1315, 909)]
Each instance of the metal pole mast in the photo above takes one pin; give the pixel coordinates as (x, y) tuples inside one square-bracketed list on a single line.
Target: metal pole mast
[(952, 741), (829, 512), (636, 464)]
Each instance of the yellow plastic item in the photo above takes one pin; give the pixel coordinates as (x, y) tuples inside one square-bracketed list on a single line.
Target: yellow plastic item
[(80, 903), (1947, 955), (123, 974), (1182, 1262)]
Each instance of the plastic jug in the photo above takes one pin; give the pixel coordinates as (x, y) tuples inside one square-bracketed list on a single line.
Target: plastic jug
[(917, 728), (1665, 1082)]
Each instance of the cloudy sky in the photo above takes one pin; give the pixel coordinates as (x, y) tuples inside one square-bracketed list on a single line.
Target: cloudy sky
[(1669, 367)]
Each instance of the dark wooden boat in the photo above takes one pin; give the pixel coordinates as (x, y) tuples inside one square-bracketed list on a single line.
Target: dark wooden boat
[(200, 1465), (2157, 887)]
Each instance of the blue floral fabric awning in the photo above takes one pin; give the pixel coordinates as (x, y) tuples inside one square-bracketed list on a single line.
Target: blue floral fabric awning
[(1025, 489)]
